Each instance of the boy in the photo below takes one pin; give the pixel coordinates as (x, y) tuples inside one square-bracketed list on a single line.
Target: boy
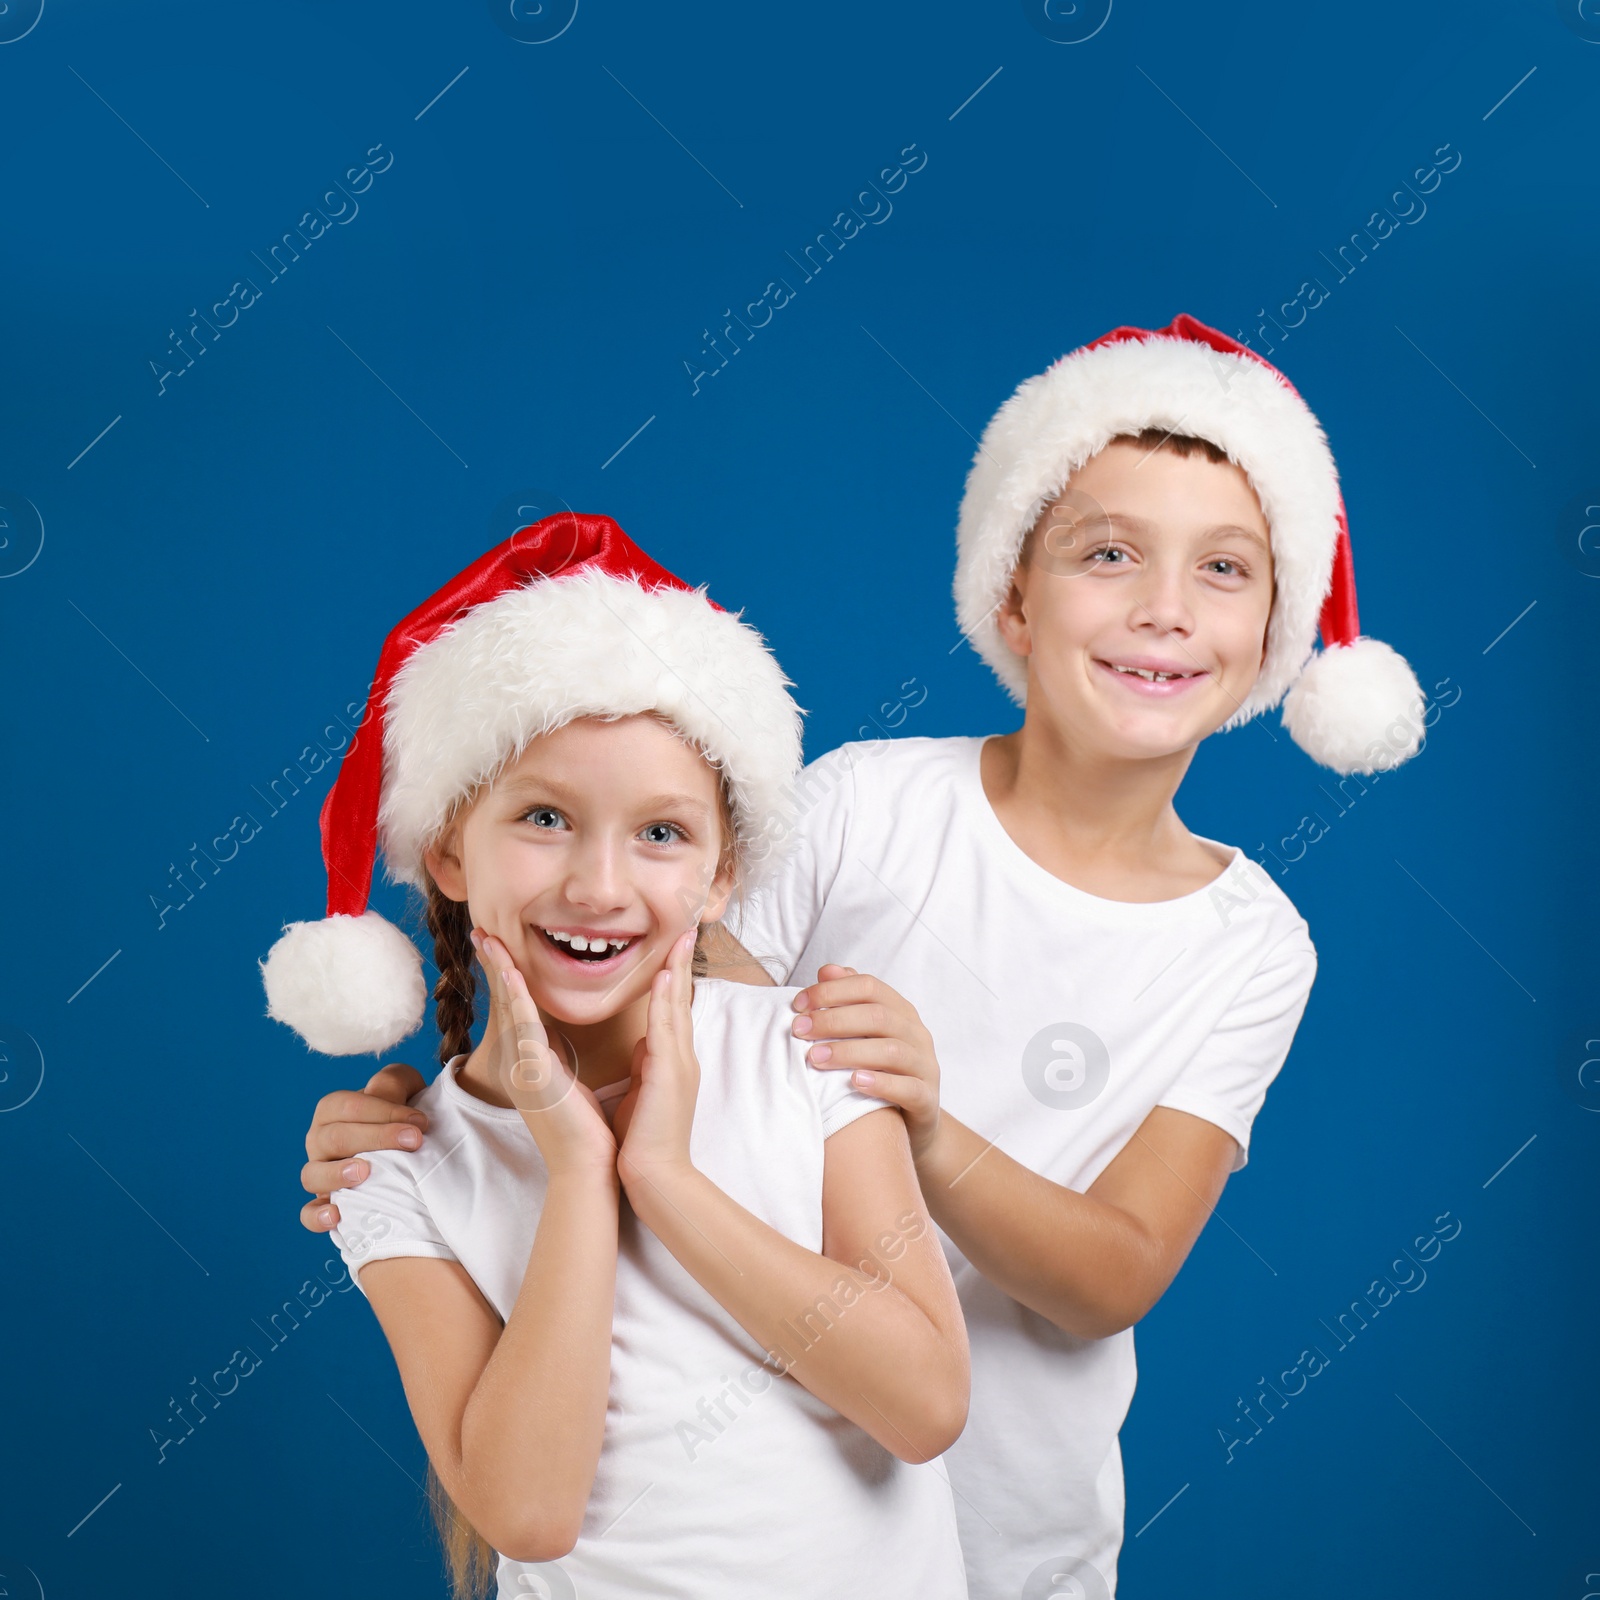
[(1150, 532)]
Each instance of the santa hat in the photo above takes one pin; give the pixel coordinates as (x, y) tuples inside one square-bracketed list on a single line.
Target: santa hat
[(568, 618), (1354, 706)]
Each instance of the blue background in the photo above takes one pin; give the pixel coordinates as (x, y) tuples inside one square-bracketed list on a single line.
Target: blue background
[(515, 298)]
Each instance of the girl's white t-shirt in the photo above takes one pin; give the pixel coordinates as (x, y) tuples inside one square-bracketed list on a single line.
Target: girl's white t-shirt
[(718, 1480), (1060, 1020)]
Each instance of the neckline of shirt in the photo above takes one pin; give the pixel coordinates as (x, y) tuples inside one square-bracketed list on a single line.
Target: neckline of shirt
[(450, 1085), (1022, 866)]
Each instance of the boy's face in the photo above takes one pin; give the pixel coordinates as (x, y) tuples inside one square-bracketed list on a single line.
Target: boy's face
[(1147, 562), (603, 833)]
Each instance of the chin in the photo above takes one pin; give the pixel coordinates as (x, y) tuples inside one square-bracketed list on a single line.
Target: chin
[(1152, 734), (1152, 749), (583, 1007), (1153, 739), (578, 1008)]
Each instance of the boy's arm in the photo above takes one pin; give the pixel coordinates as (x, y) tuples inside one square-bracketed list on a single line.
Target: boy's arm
[(512, 1418), (872, 1326), (350, 1121), (1091, 1263)]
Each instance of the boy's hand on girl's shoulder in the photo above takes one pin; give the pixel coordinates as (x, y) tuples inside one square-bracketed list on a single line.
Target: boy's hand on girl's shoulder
[(349, 1121), (860, 1025)]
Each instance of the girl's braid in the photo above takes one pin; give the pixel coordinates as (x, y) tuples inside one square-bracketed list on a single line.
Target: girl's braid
[(450, 923)]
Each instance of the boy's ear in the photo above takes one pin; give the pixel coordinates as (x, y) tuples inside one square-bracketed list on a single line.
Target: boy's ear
[(1008, 618), (443, 860)]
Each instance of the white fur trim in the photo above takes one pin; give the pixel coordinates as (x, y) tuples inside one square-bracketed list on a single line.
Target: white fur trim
[(587, 645), (1357, 708), (1056, 421), (347, 985)]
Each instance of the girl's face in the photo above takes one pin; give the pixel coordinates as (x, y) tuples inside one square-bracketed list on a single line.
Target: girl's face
[(587, 857), (1148, 563)]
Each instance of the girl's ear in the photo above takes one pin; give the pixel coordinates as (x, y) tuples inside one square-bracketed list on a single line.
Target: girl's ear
[(722, 886), (443, 860), (1008, 618)]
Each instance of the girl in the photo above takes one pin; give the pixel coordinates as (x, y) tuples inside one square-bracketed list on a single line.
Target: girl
[(710, 1347)]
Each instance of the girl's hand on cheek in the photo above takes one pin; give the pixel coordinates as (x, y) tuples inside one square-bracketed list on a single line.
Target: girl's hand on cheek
[(622, 1110), (564, 1118), (653, 1120)]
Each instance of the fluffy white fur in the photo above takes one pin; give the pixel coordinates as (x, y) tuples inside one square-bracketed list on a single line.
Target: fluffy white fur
[(346, 985), (1356, 708), (535, 658), (1056, 421)]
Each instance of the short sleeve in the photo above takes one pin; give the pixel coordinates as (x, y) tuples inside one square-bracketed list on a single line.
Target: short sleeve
[(386, 1216), (1227, 1079), (775, 921), (839, 1104)]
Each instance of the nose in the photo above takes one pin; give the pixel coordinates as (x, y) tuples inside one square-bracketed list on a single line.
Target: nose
[(1162, 602), (596, 879)]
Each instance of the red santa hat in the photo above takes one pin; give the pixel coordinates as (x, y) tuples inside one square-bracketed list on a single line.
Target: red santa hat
[(568, 618), (1354, 706)]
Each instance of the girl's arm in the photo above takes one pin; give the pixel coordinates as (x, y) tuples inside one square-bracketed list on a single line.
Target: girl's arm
[(871, 1326), (513, 1417)]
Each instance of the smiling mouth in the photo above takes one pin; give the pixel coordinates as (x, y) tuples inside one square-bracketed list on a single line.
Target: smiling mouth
[(1147, 680), (590, 949), (1150, 675)]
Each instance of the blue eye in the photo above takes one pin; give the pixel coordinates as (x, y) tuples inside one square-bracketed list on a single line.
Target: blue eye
[(1106, 550), (546, 817), (662, 833)]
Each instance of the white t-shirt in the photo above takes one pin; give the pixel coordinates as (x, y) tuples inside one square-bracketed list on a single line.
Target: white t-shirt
[(718, 1480), (1060, 1020)]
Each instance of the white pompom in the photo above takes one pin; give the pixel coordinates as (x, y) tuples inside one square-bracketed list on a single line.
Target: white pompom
[(348, 986), (1356, 708)]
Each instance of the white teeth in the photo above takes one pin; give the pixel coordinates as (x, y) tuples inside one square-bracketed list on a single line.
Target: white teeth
[(584, 945), (1150, 675)]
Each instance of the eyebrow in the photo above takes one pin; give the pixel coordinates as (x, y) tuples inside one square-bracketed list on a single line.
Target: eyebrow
[(1121, 519), (532, 783), (675, 802)]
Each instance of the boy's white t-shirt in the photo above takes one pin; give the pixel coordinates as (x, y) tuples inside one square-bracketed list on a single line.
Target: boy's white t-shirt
[(718, 1480), (1060, 1020)]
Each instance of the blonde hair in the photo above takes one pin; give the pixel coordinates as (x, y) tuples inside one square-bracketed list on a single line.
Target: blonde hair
[(470, 1560)]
